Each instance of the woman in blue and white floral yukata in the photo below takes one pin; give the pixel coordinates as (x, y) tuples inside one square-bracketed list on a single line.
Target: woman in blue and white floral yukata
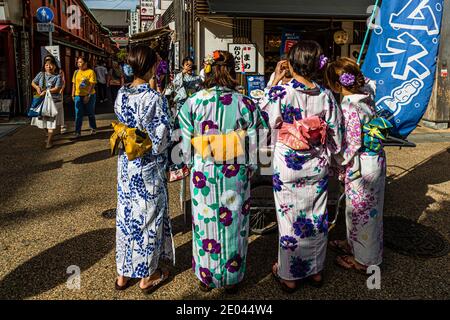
[(144, 233)]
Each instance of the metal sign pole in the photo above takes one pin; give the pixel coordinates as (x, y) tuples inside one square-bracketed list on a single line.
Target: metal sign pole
[(50, 38)]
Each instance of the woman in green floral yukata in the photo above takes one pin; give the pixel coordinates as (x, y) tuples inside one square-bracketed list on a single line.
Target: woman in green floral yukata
[(220, 192)]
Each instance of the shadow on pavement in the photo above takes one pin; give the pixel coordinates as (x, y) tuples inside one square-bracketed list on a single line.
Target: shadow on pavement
[(88, 158), (20, 216), (49, 269), (408, 193), (178, 224), (100, 135), (92, 157)]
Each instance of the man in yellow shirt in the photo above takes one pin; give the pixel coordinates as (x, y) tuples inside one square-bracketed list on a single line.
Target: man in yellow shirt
[(83, 94)]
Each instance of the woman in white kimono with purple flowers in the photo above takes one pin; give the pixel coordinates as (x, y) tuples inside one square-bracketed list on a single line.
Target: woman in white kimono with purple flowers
[(301, 163), (363, 167)]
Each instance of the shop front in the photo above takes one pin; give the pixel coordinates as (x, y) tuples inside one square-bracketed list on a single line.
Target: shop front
[(275, 26), (8, 76), (337, 38)]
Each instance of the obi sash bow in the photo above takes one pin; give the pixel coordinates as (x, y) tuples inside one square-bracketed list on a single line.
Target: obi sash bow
[(222, 147), (374, 133), (303, 134), (135, 142)]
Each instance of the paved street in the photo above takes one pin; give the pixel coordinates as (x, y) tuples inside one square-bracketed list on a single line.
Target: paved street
[(51, 218)]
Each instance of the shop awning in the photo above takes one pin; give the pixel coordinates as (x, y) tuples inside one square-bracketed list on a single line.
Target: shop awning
[(4, 27), (78, 47), (292, 8), (150, 35)]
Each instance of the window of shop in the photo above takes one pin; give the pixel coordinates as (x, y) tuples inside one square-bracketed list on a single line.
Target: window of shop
[(280, 36)]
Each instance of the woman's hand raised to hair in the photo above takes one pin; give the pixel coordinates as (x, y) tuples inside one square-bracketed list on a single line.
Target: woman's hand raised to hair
[(280, 72)]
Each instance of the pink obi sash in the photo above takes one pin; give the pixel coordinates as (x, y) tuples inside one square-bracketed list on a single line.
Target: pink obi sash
[(303, 134)]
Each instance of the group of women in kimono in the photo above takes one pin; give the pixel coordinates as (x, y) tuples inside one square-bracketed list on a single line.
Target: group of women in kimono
[(312, 137)]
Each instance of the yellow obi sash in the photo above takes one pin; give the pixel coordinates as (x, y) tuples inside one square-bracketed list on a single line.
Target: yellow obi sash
[(135, 142), (222, 147)]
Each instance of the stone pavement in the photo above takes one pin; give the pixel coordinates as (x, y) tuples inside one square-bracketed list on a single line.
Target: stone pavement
[(51, 205)]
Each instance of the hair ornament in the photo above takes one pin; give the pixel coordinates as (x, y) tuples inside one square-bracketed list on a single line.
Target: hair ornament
[(347, 79), (323, 61)]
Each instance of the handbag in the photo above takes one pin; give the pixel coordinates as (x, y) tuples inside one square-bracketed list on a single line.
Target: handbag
[(180, 174), (48, 108), (135, 142), (36, 106), (303, 134), (36, 103)]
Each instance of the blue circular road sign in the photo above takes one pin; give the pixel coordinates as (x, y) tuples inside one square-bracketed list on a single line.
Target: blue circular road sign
[(44, 15)]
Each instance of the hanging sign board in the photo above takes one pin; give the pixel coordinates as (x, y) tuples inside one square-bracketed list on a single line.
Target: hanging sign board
[(147, 10), (176, 56), (245, 57)]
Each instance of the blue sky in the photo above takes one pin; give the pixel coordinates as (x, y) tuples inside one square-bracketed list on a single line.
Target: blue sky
[(111, 4)]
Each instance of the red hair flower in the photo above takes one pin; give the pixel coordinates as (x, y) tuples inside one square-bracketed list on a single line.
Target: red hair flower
[(216, 55)]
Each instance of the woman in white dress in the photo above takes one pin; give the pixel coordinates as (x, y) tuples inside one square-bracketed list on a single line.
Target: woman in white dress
[(49, 78)]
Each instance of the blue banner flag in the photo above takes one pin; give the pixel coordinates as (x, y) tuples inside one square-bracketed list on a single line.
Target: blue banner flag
[(402, 58)]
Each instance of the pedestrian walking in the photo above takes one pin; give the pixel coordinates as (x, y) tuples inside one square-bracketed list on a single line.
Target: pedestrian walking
[(102, 75), (363, 167), (116, 80), (185, 84), (127, 71), (143, 228), (308, 122), (49, 78), (220, 184), (84, 96), (63, 88)]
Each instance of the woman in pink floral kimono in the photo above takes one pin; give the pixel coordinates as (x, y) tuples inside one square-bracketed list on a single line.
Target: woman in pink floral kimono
[(363, 167), (308, 124)]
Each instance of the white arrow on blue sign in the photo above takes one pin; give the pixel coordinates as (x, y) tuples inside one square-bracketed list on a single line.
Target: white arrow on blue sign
[(45, 15)]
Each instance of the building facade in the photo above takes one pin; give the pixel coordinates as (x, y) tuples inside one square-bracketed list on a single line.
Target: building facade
[(13, 61), (76, 33), (271, 28), (117, 21)]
